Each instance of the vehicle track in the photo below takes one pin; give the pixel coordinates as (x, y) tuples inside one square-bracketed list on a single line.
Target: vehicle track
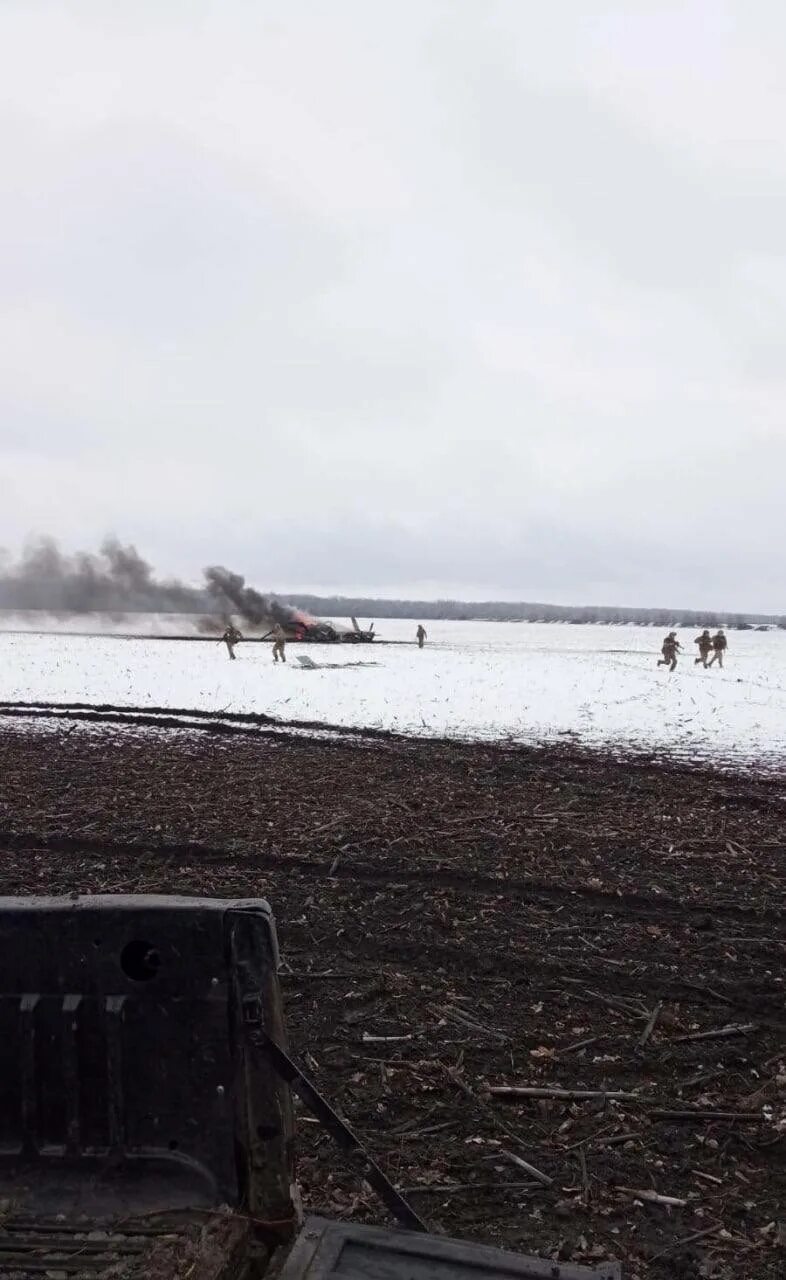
[(549, 970), (655, 906), (186, 718)]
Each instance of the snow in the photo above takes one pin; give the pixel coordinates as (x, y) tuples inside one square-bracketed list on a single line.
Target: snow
[(521, 682)]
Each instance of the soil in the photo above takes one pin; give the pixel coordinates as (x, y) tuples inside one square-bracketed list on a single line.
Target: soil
[(454, 918)]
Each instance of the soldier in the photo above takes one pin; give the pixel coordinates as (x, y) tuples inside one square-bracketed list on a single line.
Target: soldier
[(719, 646), (230, 638), (279, 642), (670, 649), (704, 641), (421, 635)]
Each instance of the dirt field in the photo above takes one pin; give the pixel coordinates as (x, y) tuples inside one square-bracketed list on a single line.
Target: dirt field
[(455, 919)]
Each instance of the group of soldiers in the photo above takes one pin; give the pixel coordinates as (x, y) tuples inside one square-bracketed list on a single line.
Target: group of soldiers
[(232, 637), (707, 644)]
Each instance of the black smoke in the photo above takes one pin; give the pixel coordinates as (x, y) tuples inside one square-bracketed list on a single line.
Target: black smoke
[(116, 580), (231, 593)]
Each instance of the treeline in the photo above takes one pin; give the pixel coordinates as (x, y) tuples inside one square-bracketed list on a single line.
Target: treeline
[(504, 611)]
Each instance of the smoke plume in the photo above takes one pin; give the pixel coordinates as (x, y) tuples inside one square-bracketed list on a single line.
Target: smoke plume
[(230, 591), (117, 580)]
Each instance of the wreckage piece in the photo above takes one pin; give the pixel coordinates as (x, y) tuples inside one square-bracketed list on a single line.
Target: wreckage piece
[(343, 1251), (309, 664), (313, 632)]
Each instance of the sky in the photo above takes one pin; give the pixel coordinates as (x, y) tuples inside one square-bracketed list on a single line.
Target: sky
[(466, 298)]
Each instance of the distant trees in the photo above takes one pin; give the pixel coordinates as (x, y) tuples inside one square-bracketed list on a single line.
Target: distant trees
[(506, 611)]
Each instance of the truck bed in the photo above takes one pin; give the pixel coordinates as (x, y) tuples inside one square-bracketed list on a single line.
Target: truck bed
[(187, 1247)]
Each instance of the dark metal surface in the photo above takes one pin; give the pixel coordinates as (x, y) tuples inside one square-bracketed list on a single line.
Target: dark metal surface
[(341, 1251), (123, 1057)]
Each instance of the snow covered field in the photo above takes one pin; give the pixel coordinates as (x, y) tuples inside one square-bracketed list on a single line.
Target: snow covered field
[(526, 682)]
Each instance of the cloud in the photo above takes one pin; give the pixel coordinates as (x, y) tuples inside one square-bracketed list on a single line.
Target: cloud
[(482, 298)]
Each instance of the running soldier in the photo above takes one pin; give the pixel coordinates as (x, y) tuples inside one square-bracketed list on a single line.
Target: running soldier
[(704, 641), (421, 635), (231, 637), (670, 648), (719, 646), (279, 643)]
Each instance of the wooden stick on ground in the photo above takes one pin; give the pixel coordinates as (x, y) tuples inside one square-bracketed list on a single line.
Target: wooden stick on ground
[(542, 1178), (449, 1188), (579, 1044), (650, 1027), (371, 1039), (584, 1175), (686, 1240), (484, 1107), (564, 1095), (653, 1197), (735, 1117), (734, 1029), (458, 1015)]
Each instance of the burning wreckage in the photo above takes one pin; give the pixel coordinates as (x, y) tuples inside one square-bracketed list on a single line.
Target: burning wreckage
[(313, 630), (231, 593)]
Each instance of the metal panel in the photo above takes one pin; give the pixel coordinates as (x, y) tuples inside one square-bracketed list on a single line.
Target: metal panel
[(339, 1251), (123, 1056)]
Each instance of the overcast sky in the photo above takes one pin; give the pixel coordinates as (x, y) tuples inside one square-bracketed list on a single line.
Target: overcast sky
[(464, 297)]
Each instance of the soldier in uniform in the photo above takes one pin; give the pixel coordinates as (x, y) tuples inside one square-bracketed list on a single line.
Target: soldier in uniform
[(421, 635), (279, 642), (670, 648), (704, 641), (719, 646), (230, 638)]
